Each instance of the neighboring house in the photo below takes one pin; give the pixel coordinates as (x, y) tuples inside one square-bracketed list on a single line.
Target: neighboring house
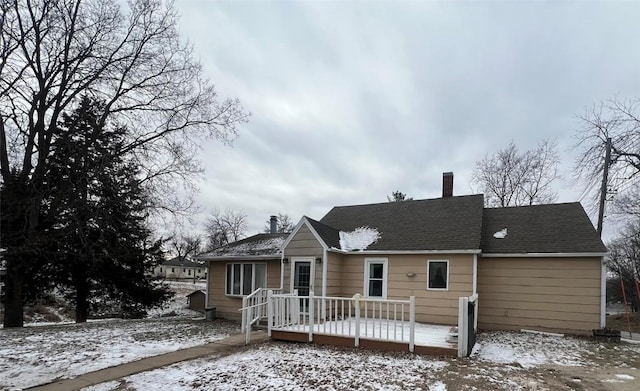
[(180, 268), (536, 267)]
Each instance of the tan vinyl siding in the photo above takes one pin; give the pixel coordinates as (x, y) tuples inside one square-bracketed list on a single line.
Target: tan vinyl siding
[(334, 274), (553, 294), (227, 306), (432, 306), (303, 244)]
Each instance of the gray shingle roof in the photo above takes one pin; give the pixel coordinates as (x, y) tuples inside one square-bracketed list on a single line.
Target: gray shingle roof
[(555, 228), (329, 235), (451, 223), (260, 244)]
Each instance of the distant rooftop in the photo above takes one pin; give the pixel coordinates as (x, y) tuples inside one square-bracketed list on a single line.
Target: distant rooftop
[(182, 262)]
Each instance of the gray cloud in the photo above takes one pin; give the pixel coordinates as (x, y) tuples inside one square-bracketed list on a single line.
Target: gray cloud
[(352, 100)]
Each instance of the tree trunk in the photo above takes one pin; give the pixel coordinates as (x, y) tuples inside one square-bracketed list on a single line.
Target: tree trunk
[(82, 295), (14, 294)]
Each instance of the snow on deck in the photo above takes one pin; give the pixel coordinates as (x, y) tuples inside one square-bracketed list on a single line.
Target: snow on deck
[(425, 334)]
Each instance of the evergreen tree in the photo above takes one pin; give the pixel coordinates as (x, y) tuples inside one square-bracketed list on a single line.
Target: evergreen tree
[(105, 252), (398, 196)]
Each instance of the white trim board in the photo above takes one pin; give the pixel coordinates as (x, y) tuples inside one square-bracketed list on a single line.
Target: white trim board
[(402, 252), (544, 255)]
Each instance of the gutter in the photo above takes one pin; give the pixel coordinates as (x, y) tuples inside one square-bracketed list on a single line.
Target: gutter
[(404, 252), (223, 258)]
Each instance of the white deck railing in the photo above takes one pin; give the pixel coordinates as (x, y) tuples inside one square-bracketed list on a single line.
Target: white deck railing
[(357, 317), (254, 308)]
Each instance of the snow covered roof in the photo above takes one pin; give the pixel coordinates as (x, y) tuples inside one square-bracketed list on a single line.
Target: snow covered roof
[(257, 245), (358, 239)]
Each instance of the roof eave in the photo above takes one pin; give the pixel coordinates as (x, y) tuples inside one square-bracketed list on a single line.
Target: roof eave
[(236, 257)]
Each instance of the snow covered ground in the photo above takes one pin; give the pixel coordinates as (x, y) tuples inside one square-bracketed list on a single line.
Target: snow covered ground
[(44, 351), (502, 361), (39, 354), (177, 306)]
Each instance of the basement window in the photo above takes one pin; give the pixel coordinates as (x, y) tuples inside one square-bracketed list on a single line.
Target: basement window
[(244, 278), (438, 275)]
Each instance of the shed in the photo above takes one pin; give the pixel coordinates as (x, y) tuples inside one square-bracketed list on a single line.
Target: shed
[(196, 299)]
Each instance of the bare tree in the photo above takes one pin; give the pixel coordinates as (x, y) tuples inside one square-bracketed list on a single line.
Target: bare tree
[(618, 119), (185, 246), (627, 204), (624, 260), (510, 177), (51, 53), (284, 224), (225, 228), (398, 196)]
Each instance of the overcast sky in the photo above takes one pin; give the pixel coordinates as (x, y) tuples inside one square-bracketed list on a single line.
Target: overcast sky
[(352, 100)]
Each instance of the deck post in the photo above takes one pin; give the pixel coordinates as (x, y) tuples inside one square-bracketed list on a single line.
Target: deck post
[(412, 322), (244, 314), (463, 302), (294, 308), (269, 312), (357, 311), (310, 310)]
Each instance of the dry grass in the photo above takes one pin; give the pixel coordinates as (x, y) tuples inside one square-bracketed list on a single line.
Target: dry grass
[(619, 322)]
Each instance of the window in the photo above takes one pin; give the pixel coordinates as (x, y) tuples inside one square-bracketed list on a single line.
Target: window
[(189, 271), (438, 275), (173, 270), (375, 277), (184, 270), (160, 270), (244, 278)]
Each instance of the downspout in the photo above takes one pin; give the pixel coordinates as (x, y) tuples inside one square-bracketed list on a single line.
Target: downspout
[(206, 291), (603, 293), (282, 272)]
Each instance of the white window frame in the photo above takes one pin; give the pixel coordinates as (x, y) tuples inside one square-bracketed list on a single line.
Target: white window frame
[(385, 274), (312, 276), (446, 288), (253, 277)]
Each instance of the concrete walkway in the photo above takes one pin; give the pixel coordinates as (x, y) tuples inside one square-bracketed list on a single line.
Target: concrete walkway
[(227, 345)]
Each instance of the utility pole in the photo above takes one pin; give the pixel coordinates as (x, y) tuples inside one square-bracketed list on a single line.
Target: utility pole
[(603, 190)]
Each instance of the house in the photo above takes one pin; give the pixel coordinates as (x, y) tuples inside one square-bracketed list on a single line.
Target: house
[(534, 267), (239, 268), (180, 268)]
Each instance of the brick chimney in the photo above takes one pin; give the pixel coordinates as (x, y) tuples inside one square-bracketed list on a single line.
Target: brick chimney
[(447, 184), (274, 225)]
